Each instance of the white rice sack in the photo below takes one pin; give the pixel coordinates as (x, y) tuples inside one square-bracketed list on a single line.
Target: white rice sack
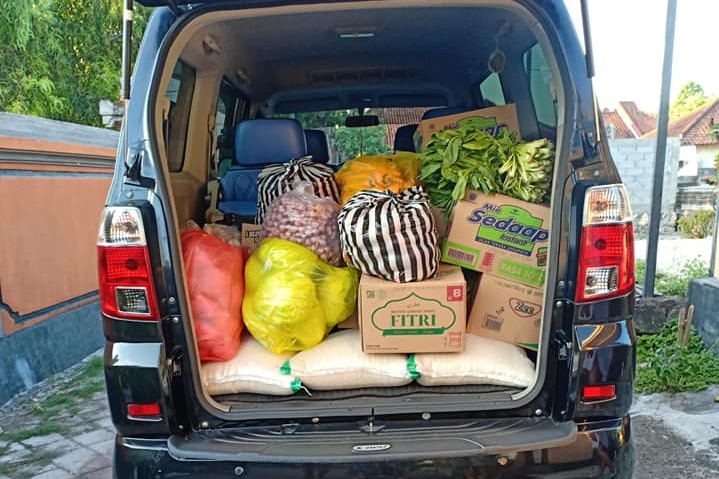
[(339, 363), (484, 361), (254, 369)]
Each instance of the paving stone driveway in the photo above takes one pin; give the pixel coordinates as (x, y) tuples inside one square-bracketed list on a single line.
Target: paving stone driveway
[(59, 429)]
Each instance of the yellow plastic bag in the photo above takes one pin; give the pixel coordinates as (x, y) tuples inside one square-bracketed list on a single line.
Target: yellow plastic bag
[(394, 172), (293, 298)]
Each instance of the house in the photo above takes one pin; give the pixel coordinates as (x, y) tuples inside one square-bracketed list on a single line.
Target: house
[(627, 121), (699, 147), (393, 118)]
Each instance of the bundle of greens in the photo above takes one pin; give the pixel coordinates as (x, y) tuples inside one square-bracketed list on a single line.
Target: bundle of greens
[(469, 157)]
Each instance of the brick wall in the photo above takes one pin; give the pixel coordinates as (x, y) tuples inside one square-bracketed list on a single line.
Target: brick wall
[(635, 161)]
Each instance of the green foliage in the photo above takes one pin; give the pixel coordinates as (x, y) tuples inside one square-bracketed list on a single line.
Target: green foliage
[(347, 142), (42, 429), (691, 96), (62, 57), (673, 284), (664, 365), (699, 224), (471, 157)]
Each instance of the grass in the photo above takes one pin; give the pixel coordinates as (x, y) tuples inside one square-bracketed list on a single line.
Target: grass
[(86, 383), (673, 284), (39, 460), (46, 414), (665, 365), (42, 429)]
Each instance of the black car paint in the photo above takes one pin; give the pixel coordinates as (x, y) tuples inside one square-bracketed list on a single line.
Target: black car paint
[(602, 449), (146, 362)]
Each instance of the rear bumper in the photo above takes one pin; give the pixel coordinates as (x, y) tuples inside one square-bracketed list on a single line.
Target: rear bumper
[(601, 450)]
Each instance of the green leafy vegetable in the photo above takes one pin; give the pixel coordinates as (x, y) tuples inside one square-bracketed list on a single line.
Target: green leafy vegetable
[(470, 157)]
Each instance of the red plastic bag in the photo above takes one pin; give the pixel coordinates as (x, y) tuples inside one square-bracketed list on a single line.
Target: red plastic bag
[(216, 283)]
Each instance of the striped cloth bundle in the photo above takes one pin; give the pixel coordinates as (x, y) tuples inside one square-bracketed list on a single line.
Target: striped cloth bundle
[(390, 235), (274, 180)]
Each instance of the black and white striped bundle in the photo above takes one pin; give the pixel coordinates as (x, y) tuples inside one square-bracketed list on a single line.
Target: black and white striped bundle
[(274, 180), (390, 235)]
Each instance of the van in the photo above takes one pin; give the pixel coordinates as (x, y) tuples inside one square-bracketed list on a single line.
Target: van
[(207, 67)]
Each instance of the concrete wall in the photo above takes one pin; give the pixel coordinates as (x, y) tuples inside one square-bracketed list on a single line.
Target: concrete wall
[(635, 161), (51, 196), (706, 156), (694, 198)]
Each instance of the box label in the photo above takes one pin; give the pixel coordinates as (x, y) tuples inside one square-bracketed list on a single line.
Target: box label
[(251, 235), (523, 308), (489, 124), (413, 315), (508, 227), (521, 272), (460, 255)]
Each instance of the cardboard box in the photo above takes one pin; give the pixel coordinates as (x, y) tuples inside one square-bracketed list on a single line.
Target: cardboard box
[(507, 311), (494, 119), (499, 235), (420, 317), (251, 235)]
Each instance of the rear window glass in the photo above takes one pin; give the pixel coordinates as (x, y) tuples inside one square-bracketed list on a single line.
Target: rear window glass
[(230, 105), (491, 89), (539, 76), (346, 143), (179, 92)]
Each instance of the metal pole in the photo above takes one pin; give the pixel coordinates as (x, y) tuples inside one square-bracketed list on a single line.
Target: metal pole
[(662, 128), (127, 18), (715, 243)]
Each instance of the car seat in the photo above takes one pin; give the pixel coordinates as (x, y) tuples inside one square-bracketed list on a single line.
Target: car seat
[(258, 143)]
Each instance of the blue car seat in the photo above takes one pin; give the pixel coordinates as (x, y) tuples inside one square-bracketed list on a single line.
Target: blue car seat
[(258, 143), (317, 146)]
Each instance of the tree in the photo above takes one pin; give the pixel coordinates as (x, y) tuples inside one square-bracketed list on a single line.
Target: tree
[(691, 96), (348, 142), (62, 57)]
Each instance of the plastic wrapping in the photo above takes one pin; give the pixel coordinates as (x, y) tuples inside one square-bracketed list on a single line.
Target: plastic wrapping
[(389, 235), (293, 298), (484, 361), (216, 285), (229, 234), (275, 180), (254, 369), (339, 363), (393, 173), (304, 218)]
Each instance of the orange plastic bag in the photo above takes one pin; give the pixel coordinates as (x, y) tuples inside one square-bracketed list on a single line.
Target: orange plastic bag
[(216, 283), (393, 172)]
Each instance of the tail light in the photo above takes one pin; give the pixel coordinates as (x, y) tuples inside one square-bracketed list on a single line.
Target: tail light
[(606, 250), (599, 393), (144, 412), (127, 289)]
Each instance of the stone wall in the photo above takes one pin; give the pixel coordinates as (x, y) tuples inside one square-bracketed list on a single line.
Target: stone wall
[(635, 161), (695, 197)]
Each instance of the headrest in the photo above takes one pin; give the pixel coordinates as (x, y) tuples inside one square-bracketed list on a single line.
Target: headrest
[(444, 111), (404, 138), (317, 146), (264, 141)]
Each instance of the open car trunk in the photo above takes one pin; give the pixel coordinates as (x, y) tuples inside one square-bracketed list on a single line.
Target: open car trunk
[(230, 64)]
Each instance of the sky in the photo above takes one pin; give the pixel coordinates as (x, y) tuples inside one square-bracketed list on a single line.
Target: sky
[(628, 44)]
